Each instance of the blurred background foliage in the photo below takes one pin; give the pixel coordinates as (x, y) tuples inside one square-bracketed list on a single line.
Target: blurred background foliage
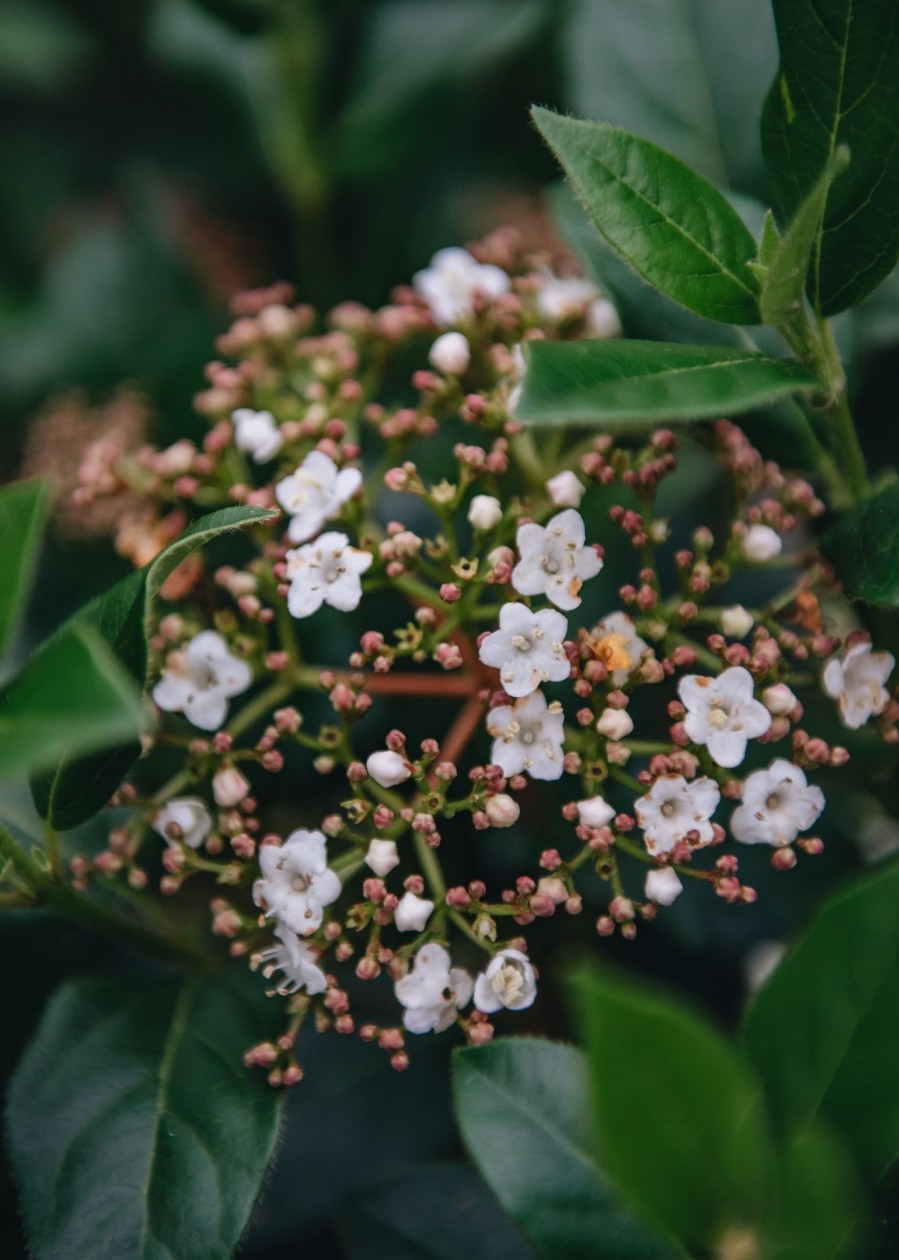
[(160, 154)]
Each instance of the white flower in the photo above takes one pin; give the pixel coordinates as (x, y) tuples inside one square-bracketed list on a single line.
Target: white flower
[(603, 320), (779, 700), (674, 810), (297, 962), (190, 815), (388, 768), (528, 649), (326, 571), (509, 982), (451, 281), (412, 914), (433, 991), (554, 561), (857, 682), (761, 543), (615, 724), (199, 680), (778, 803), (565, 490), (315, 493), (296, 881), (565, 297), (382, 857), (663, 886), (502, 810), (595, 811), (229, 786), (723, 714), (528, 736), (736, 621), (615, 642), (450, 354), (485, 511), (256, 433)]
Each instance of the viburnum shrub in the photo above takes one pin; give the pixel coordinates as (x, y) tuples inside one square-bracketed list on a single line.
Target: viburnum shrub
[(460, 610)]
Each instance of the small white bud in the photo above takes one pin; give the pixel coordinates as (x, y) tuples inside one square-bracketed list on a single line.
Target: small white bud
[(565, 490), (501, 810), (382, 857), (614, 724), (229, 787), (761, 543), (388, 768), (485, 512), (412, 914), (736, 622), (450, 354), (595, 812), (663, 886), (602, 319), (779, 700), (554, 888)]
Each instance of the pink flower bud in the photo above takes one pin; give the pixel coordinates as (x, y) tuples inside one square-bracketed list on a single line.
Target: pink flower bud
[(229, 787)]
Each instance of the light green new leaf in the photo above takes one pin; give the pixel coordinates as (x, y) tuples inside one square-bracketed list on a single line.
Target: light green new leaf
[(671, 225), (72, 693), (641, 382), (77, 787), (134, 1128), (523, 1111), (783, 288), (814, 1207), (838, 84), (823, 1032), (863, 550), (677, 1112), (23, 507)]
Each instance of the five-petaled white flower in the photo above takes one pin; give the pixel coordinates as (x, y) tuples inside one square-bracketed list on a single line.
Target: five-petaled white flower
[(554, 561), (297, 963), (187, 815), (296, 882), (256, 433), (528, 736), (509, 982), (315, 493), (528, 648), (326, 571), (723, 714), (199, 679), (614, 641), (412, 913), (452, 280), (663, 886), (565, 297), (778, 803), (674, 810), (433, 991), (857, 682)]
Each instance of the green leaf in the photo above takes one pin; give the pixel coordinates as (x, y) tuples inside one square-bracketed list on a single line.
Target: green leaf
[(769, 240), (838, 84), (814, 1206), (671, 225), (862, 549), (823, 1032), (640, 382), (435, 1212), (23, 507), (134, 1128), (677, 1113), (523, 1111), (783, 288), (72, 693), (77, 787)]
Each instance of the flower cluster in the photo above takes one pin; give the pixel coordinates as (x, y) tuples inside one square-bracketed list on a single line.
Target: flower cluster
[(430, 548)]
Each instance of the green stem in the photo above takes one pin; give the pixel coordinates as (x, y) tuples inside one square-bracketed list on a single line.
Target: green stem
[(430, 867), (464, 926)]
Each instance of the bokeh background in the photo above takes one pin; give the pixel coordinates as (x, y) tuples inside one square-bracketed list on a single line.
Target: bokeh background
[(157, 155)]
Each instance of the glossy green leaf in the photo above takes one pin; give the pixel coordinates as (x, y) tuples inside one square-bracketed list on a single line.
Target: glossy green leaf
[(814, 1207), (823, 1032), (863, 550), (134, 1128), (72, 693), (77, 787), (671, 225), (523, 1111), (783, 287), (838, 84), (640, 382), (23, 507), (677, 1112), (435, 1212)]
